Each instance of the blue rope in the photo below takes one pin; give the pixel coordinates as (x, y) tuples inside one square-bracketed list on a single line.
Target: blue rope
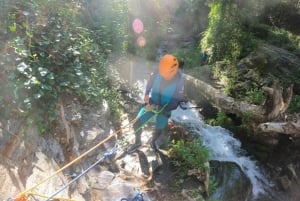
[(138, 197), (105, 156)]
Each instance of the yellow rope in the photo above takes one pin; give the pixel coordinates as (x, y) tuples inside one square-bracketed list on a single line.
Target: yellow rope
[(45, 196), (20, 195)]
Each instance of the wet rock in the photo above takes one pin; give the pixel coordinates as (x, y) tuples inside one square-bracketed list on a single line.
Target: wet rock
[(203, 176), (190, 195), (232, 183), (104, 180), (285, 182), (117, 189)]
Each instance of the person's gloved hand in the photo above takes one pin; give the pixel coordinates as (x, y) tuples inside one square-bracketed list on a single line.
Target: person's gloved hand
[(149, 107), (146, 99)]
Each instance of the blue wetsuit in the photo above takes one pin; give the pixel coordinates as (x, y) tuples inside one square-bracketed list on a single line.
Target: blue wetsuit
[(166, 94)]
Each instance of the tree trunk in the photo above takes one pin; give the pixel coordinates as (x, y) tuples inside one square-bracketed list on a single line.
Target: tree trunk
[(289, 127), (195, 88), (266, 117), (277, 100)]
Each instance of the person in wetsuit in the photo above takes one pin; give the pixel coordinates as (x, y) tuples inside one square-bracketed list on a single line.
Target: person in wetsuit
[(164, 92)]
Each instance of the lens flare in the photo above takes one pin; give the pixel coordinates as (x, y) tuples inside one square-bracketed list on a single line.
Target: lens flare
[(141, 41), (137, 26)]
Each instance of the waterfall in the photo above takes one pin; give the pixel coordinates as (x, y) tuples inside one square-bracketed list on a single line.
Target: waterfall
[(223, 147)]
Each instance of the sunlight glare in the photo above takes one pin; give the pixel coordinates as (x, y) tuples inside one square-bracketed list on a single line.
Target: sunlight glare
[(137, 26), (141, 41)]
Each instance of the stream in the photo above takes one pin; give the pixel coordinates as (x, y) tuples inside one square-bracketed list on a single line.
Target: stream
[(231, 162)]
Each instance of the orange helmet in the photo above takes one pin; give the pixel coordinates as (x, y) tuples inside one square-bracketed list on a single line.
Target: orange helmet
[(168, 66)]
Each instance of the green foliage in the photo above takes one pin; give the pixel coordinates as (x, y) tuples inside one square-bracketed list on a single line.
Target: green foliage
[(295, 104), (282, 15), (225, 37), (275, 36), (260, 31), (229, 76), (217, 37), (188, 155), (202, 72), (212, 187), (191, 57), (107, 32), (220, 120), (284, 39), (223, 120), (57, 55), (247, 118), (255, 96)]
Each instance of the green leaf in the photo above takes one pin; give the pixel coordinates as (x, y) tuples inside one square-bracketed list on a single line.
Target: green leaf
[(13, 28), (29, 34), (46, 87), (43, 71), (64, 84), (24, 53), (21, 67), (78, 72), (75, 52), (76, 86), (19, 41), (37, 96), (50, 76), (27, 100), (78, 65), (42, 54), (29, 120), (34, 81)]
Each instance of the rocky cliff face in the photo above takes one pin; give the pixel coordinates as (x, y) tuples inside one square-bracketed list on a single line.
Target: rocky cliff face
[(28, 158), (83, 141)]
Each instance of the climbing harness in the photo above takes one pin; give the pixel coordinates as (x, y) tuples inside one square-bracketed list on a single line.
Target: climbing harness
[(28, 195)]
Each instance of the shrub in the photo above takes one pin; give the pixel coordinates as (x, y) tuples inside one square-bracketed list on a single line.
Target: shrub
[(225, 36), (191, 57), (255, 96), (58, 55), (295, 104), (188, 155)]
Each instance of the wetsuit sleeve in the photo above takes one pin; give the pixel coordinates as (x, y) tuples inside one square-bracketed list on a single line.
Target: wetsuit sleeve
[(178, 95)]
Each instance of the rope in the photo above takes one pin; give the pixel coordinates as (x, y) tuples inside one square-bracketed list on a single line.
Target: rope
[(22, 196), (106, 156), (155, 111), (75, 160), (138, 197), (45, 196)]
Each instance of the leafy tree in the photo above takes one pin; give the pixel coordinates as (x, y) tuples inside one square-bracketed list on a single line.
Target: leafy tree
[(56, 54), (282, 15), (225, 37)]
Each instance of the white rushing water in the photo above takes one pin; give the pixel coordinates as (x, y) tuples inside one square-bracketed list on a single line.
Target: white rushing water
[(222, 146)]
